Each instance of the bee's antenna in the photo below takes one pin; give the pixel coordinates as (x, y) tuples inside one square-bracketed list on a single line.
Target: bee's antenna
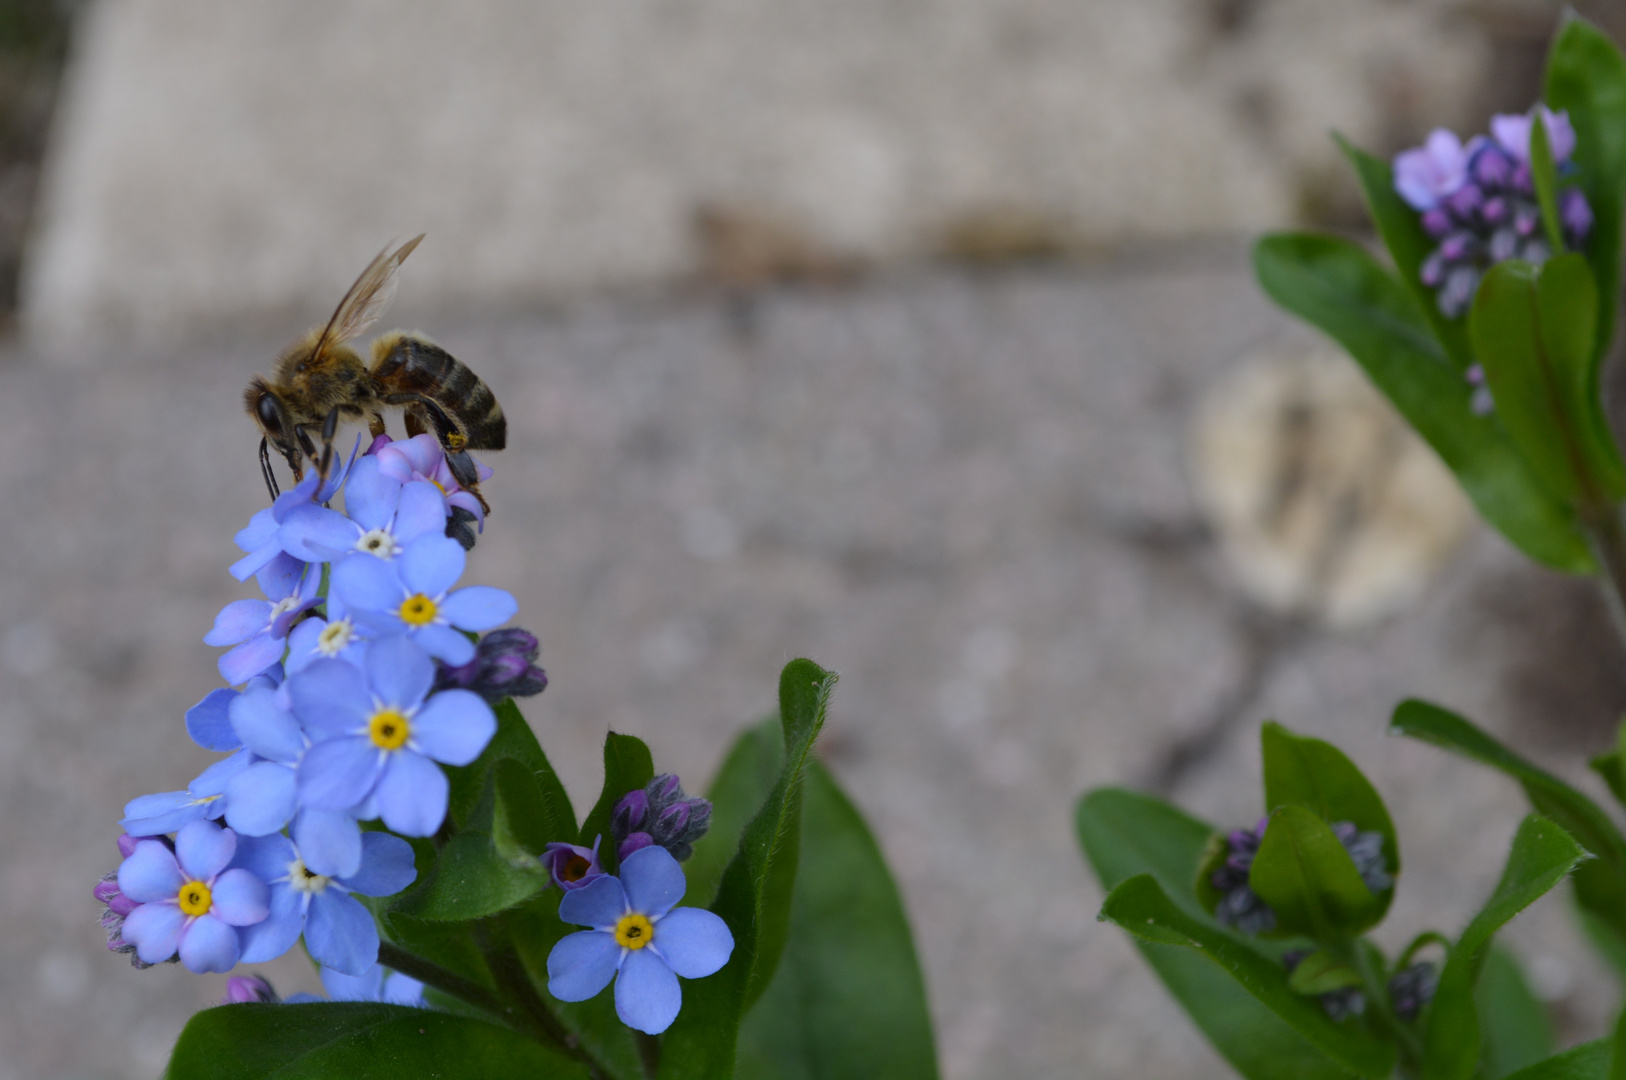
[(266, 472)]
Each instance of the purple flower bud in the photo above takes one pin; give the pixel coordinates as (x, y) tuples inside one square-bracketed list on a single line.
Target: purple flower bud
[(1576, 215), (1495, 210), (501, 668), (1464, 201), (1535, 250), (377, 444), (636, 842), (1524, 181), (571, 865), (1504, 244), (664, 788), (1489, 165), (1432, 272), (1436, 222), (1475, 375), (671, 822), (1337, 1004), (1413, 988), (1459, 245), (127, 844), (1526, 218), (629, 813), (1457, 294), (249, 989), (1481, 403)]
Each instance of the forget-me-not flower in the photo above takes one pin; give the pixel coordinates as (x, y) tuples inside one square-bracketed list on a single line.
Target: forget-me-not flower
[(379, 732), (191, 904), (382, 515), (639, 938), (259, 628)]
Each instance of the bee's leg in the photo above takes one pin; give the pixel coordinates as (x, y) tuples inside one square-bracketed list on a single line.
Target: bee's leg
[(266, 471), (451, 440), (329, 427), (414, 423), (375, 424)]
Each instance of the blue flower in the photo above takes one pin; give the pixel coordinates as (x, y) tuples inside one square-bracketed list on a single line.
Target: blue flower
[(191, 904), (339, 931), (209, 721), (410, 595), (377, 983), (1429, 173), (639, 939), (378, 733), (384, 515), (259, 628), (204, 797), (337, 637), (262, 538)]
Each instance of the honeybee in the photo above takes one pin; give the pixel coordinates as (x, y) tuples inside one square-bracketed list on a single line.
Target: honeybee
[(320, 379)]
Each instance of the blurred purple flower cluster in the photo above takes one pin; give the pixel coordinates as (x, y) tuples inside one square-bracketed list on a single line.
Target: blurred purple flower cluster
[(1478, 202)]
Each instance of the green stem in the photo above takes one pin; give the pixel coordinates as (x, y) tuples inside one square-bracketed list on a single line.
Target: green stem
[(1377, 1000), (447, 982), (1603, 527), (515, 983)]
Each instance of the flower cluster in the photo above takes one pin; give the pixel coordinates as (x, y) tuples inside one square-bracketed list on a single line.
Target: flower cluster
[(1241, 908), (1478, 202), (659, 814), (354, 681)]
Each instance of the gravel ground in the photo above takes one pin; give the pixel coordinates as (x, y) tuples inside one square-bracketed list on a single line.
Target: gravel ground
[(964, 492)]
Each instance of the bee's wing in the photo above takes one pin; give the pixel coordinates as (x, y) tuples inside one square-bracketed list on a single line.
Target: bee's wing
[(368, 297)]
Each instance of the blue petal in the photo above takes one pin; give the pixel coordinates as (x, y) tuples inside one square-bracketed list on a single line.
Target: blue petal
[(250, 658), (340, 934), (693, 942), (367, 584), (386, 866), (370, 497), (154, 815), (238, 898), (276, 934), (213, 780), (209, 945), (647, 995), (368, 986), (329, 841), (599, 904), (281, 577), (238, 621), (422, 512), (155, 931), (412, 794), (444, 643), (317, 534), (330, 696), (403, 990), (260, 722), (399, 672), (255, 560), (209, 722), (582, 964), (260, 800), (260, 530), (266, 857), (431, 565), (338, 773), (454, 727), (478, 607), (204, 849), (653, 880), (150, 873)]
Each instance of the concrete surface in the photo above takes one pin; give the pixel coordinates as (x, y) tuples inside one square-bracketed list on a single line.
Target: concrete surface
[(964, 492), (211, 161)]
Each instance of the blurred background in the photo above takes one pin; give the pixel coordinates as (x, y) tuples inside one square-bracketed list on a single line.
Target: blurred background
[(915, 337)]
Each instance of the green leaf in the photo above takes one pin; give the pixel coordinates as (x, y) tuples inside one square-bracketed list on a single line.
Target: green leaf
[(1125, 833), (1314, 774), (1321, 972), (1517, 1031), (1589, 1061), (741, 785), (1336, 286), (514, 740), (1548, 795), (1307, 877), (627, 766), (525, 821), (848, 999), (1587, 77), (1140, 906), (1402, 231), (754, 898), (356, 1041), (1609, 766), (1543, 855), (471, 880), (1567, 304), (1546, 180)]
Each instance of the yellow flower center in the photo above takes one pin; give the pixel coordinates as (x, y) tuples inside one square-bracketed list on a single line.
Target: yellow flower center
[(418, 610), (389, 729), (194, 898), (634, 932)]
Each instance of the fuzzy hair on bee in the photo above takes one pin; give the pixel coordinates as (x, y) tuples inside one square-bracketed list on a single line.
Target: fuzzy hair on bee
[(321, 380)]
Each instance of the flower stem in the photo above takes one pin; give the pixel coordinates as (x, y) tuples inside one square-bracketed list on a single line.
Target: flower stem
[(515, 984), (447, 982), (1608, 538), (1405, 1037)]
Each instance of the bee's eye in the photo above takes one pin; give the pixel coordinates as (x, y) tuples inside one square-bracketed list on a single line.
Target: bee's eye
[(269, 417)]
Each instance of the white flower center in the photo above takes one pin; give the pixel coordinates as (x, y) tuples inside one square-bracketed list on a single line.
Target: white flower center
[(335, 636), (283, 606), (305, 880), (377, 542)]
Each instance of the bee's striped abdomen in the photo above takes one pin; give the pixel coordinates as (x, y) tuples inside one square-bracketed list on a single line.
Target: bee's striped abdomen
[(405, 363)]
